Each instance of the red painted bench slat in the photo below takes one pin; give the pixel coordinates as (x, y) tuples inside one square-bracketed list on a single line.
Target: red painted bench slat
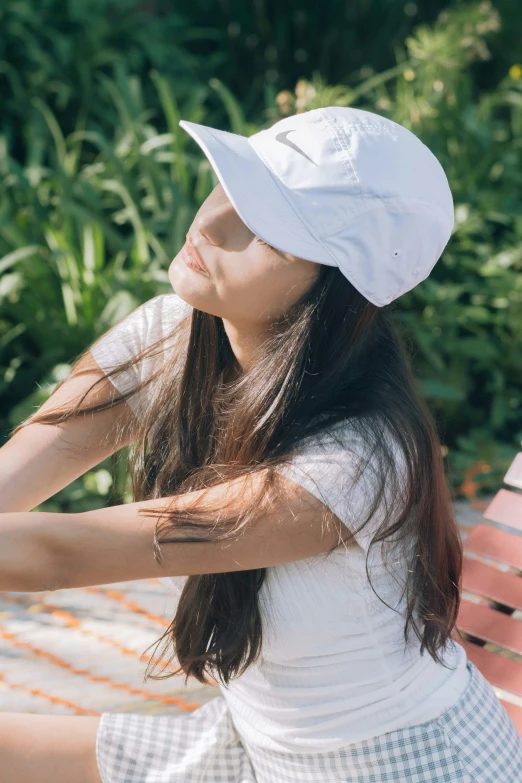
[(500, 671), (506, 508), (495, 544), (514, 475), (488, 581), (490, 625)]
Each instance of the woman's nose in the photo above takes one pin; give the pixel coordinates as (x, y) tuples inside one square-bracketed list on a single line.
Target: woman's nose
[(210, 227), (222, 229), (219, 223)]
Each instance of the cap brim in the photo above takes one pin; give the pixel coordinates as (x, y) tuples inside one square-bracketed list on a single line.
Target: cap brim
[(256, 193)]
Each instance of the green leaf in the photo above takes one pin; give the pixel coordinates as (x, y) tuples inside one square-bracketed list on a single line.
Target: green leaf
[(436, 389)]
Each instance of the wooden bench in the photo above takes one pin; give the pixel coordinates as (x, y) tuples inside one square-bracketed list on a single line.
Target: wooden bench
[(492, 575)]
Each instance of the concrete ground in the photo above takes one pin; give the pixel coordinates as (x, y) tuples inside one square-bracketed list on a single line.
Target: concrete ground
[(82, 651)]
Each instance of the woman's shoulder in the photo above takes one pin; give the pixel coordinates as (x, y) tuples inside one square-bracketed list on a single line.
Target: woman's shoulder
[(165, 310), (343, 465), (150, 321), (350, 434), (173, 306), (156, 318)]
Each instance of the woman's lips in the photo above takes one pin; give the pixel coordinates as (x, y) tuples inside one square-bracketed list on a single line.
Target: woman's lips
[(193, 259)]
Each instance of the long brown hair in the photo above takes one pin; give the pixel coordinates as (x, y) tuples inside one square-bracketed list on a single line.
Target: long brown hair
[(332, 357)]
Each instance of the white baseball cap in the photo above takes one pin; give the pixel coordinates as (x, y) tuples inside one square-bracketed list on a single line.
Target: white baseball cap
[(340, 186)]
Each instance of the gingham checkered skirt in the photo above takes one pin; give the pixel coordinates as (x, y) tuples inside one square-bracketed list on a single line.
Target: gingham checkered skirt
[(474, 741)]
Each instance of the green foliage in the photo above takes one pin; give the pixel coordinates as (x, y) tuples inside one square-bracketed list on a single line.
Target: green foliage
[(100, 185), (57, 51)]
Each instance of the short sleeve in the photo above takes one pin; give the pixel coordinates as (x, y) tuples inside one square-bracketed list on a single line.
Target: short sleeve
[(328, 465), (145, 325)]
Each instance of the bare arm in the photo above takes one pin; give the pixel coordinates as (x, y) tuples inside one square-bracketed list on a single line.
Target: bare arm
[(39, 552), (41, 459)]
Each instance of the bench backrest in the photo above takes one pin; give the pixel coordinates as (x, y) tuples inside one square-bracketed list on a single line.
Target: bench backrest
[(490, 619)]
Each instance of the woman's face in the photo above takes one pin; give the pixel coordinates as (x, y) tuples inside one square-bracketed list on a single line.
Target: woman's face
[(247, 283)]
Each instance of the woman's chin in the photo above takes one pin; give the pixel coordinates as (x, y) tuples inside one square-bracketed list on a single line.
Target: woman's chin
[(191, 286)]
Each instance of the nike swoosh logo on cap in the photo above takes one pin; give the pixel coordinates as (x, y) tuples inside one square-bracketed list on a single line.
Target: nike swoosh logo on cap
[(281, 137)]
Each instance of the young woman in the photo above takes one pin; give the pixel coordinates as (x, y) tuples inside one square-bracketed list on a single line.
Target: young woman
[(288, 484)]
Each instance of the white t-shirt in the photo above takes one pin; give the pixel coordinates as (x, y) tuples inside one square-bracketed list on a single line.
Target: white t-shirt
[(334, 668)]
